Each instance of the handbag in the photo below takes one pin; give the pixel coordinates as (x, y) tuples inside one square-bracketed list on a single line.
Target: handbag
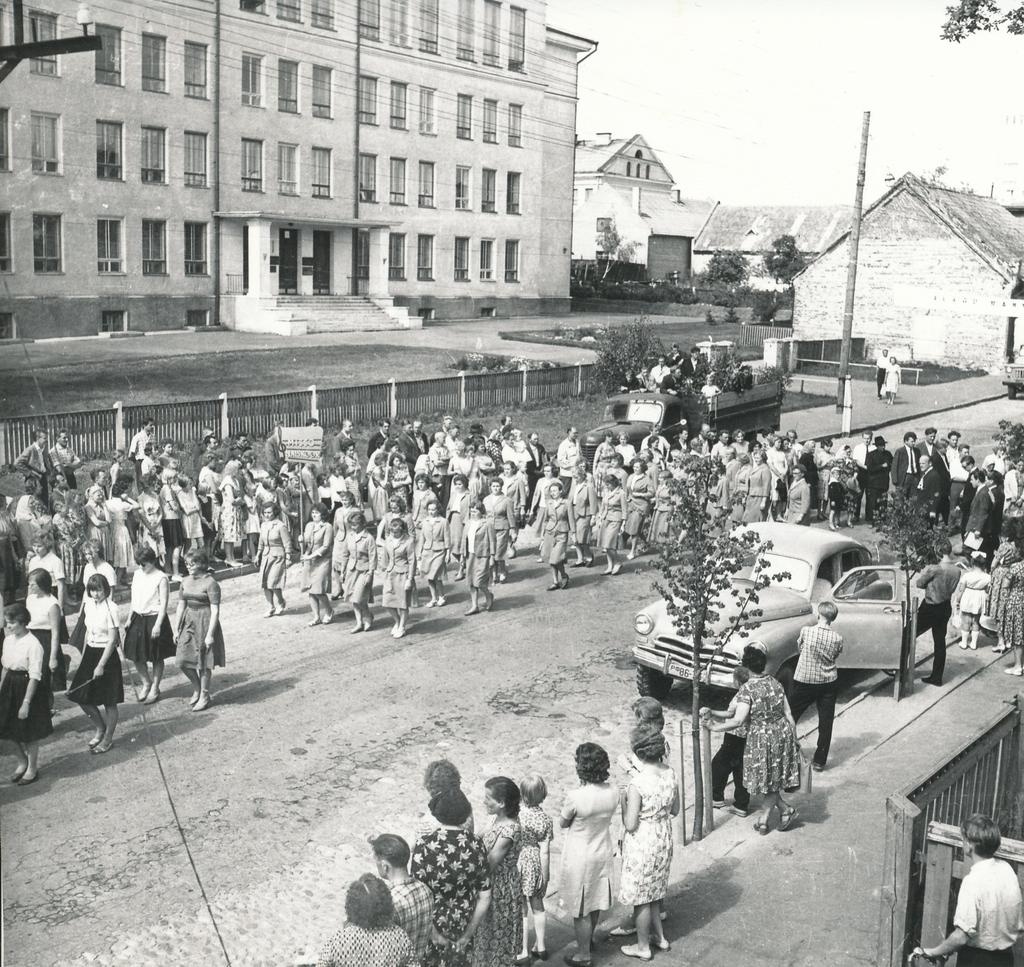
[(973, 541)]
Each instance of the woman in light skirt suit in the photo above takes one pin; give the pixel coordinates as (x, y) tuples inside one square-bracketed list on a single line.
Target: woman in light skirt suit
[(639, 494), (434, 545), (549, 473), (339, 550), (457, 514), (272, 558), (558, 525), (149, 638), (501, 516), (317, 546), (478, 549), (584, 503), (662, 530), (740, 488), (610, 517), (398, 564), (362, 562), (759, 490)]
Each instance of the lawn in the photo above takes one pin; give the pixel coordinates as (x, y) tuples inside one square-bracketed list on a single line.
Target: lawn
[(931, 373), (97, 385)]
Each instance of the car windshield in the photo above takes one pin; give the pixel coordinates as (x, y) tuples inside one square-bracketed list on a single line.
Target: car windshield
[(799, 572), (644, 411)]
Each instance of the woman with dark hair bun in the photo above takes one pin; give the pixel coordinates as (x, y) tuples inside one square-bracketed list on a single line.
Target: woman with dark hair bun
[(771, 760), (442, 778), (370, 938), (500, 936), (586, 884)]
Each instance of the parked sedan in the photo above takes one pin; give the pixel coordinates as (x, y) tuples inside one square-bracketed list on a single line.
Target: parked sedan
[(818, 565)]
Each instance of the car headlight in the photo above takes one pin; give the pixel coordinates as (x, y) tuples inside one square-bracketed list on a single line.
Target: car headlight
[(643, 624)]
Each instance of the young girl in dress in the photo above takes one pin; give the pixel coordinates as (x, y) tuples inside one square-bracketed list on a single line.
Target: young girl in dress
[(24, 709), (99, 679), (317, 546), (46, 622), (98, 520), (398, 565), (478, 550), (119, 506), (200, 638), (970, 594), (170, 522), (191, 519), (362, 562), (95, 563), (836, 495), (421, 496), (272, 558), (457, 514), (534, 863), (149, 638), (252, 523), (434, 545), (42, 556)]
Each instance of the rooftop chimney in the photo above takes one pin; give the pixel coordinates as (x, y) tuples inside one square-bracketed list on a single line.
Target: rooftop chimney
[(604, 138)]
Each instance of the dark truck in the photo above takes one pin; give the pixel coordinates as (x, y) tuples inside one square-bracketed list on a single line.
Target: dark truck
[(756, 409)]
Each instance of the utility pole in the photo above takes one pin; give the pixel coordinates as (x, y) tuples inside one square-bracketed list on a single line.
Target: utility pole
[(845, 389)]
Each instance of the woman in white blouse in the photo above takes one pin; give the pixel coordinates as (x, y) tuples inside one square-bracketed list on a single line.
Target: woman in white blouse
[(149, 639), (24, 709)]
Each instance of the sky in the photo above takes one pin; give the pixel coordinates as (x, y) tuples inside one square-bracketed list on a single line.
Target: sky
[(761, 101)]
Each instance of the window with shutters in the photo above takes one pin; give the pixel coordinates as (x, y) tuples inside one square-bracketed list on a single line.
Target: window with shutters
[(195, 248), (154, 154), (396, 257), (461, 259), (288, 86), (108, 246), (108, 56), (45, 143), (195, 159), (195, 70), (322, 91), (321, 173), (108, 150), (154, 63), (46, 244), (154, 247)]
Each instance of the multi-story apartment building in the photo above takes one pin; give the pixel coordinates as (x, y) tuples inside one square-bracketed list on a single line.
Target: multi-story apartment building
[(235, 160)]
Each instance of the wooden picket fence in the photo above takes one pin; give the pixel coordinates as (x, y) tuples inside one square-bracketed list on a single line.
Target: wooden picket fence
[(753, 337), (97, 433)]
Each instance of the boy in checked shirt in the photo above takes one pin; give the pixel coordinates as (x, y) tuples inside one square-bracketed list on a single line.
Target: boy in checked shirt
[(815, 681)]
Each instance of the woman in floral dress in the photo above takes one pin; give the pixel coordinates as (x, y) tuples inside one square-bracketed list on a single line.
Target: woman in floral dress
[(535, 861), (771, 760), (652, 799), (1012, 621), (1004, 558), (500, 935), (232, 519)]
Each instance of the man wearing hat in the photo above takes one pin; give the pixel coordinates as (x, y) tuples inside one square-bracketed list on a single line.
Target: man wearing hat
[(877, 469)]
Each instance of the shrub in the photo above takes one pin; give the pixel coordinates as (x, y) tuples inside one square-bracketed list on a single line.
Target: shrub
[(622, 349), (710, 319), (731, 317)]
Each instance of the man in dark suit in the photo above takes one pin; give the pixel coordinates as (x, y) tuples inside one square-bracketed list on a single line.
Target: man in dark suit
[(906, 464), (422, 441), (934, 450), (379, 438), (878, 466), (538, 456), (929, 490), (985, 520)]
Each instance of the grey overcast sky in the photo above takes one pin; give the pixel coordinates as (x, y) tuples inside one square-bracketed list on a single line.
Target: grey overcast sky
[(752, 101)]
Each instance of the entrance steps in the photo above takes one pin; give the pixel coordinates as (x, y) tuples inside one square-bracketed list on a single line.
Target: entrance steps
[(299, 315)]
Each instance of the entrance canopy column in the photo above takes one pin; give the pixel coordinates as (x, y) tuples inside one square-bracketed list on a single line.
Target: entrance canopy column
[(377, 282), (262, 282)]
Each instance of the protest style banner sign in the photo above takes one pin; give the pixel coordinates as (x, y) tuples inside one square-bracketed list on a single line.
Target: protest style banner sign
[(302, 443)]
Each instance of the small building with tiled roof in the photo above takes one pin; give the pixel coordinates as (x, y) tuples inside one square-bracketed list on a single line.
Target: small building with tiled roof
[(751, 229), (621, 183), (937, 270)]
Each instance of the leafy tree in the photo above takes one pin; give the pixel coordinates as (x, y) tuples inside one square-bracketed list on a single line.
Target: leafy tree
[(614, 247), (785, 259), (704, 598), (981, 16), (727, 268), (732, 317), (1011, 435), (625, 349)]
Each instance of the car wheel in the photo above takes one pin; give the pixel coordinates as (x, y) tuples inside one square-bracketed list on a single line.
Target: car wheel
[(652, 683), (784, 676)]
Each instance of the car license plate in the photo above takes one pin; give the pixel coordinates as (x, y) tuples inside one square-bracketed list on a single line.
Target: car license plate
[(679, 670)]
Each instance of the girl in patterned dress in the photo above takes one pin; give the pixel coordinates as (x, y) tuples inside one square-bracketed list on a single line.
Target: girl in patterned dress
[(98, 526), (119, 507), (191, 519), (1005, 557), (499, 937), (534, 862), (969, 600), (1013, 620)]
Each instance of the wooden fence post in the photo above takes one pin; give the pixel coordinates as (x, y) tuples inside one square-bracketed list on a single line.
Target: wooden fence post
[(462, 391), (314, 410), (392, 398), (579, 379), (523, 371), (5, 457), (120, 441), (225, 426), (681, 778), (938, 859)]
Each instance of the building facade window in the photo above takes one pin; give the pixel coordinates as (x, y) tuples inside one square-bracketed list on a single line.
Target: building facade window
[(490, 122), (288, 86), (289, 10), (108, 56), (399, 32), (43, 26), (629, 169), (425, 258), (367, 100), (466, 31), (428, 26), (195, 69), (462, 182), (6, 264), (253, 6), (5, 139), (397, 181), (369, 19), (321, 173), (195, 248), (108, 150), (488, 190), (512, 182), (252, 80), (7, 325), (195, 159), (321, 14), (368, 177), (108, 246), (492, 33), (399, 106), (396, 257), (288, 169), (515, 125), (464, 117), (154, 63), (113, 320), (197, 318), (46, 143), (46, 244), (252, 165), (154, 247), (512, 260), (428, 111), (154, 155), (516, 39), (486, 259), (322, 91), (461, 259), (647, 171), (426, 192)]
